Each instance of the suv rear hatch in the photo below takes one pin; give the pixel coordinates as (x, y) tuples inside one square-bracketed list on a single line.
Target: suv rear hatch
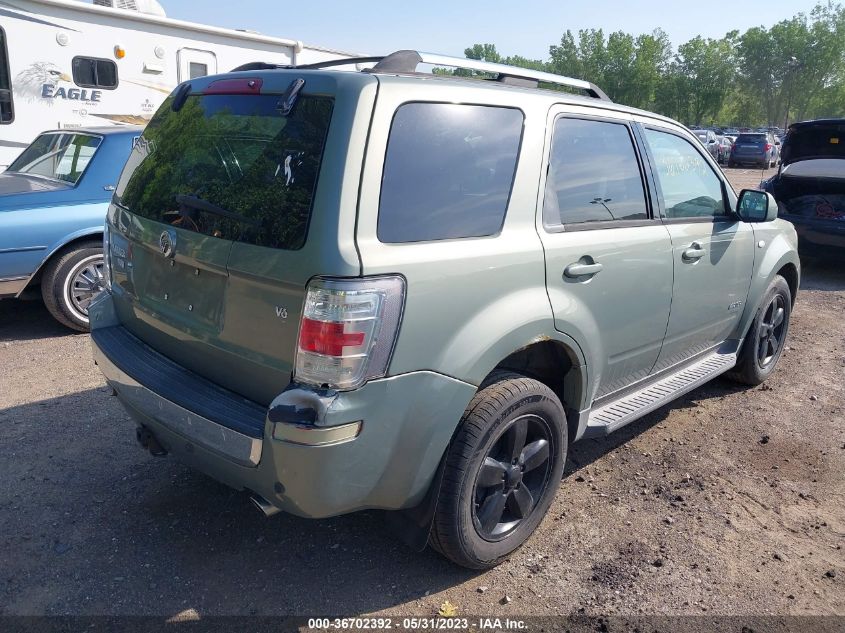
[(211, 216), (750, 145), (814, 140)]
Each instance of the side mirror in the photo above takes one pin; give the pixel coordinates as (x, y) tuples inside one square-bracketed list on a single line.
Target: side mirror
[(756, 206), (711, 141)]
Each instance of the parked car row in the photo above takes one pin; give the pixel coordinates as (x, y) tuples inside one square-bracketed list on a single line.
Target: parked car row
[(755, 149)]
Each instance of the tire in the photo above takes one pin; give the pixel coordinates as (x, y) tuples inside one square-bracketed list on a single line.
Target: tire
[(755, 364), (72, 268), (731, 164), (508, 410)]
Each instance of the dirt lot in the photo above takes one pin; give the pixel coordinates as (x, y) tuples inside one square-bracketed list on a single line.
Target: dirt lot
[(730, 501)]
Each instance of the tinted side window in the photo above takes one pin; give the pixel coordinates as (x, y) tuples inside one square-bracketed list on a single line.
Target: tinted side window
[(7, 111), (448, 171), (593, 174), (690, 188), (89, 72)]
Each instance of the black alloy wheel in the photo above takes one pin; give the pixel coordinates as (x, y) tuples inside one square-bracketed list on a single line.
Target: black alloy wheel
[(770, 333), (513, 476)]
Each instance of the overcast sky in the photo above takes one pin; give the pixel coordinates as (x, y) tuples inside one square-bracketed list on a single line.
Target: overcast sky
[(525, 27)]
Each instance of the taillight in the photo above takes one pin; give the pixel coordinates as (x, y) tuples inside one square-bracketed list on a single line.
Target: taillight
[(348, 330), (767, 147)]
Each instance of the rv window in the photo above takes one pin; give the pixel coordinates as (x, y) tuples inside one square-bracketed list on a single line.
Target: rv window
[(196, 69), (89, 72), (7, 112)]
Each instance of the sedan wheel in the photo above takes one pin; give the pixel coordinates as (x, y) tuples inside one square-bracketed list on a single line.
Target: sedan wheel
[(71, 281)]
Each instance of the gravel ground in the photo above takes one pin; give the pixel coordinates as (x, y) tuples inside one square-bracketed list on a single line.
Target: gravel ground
[(728, 501)]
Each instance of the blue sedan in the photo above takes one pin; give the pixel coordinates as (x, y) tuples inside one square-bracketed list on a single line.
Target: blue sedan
[(53, 202)]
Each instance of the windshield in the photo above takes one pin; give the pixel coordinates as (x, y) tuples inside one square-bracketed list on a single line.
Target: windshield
[(230, 166), (58, 156)]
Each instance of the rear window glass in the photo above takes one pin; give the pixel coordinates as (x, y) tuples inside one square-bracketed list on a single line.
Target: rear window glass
[(448, 171), (231, 167), (57, 156), (751, 138)]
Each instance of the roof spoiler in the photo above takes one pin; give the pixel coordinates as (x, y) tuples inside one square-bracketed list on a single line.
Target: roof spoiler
[(406, 61)]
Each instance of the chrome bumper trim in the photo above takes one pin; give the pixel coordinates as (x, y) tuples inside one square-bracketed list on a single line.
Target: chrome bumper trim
[(12, 286), (310, 435), (206, 433)]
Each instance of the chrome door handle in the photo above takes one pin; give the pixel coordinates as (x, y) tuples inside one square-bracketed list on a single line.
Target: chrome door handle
[(577, 269), (693, 253)]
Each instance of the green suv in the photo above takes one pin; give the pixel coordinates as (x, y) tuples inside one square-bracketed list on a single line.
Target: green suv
[(396, 290)]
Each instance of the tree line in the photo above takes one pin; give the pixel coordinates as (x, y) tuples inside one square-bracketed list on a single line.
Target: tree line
[(793, 71)]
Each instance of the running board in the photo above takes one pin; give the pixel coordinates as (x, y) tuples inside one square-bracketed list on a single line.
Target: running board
[(631, 406)]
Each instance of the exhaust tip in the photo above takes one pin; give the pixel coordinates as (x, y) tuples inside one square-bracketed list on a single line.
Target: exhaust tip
[(267, 508)]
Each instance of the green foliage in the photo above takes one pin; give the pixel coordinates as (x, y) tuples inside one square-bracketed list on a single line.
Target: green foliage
[(793, 71)]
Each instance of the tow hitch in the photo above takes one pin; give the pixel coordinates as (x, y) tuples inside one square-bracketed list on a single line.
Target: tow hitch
[(149, 442)]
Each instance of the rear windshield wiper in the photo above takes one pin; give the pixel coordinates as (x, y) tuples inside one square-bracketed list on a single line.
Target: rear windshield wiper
[(204, 205), (288, 100)]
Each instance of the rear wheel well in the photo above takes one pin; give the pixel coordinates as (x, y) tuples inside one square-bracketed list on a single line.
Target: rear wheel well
[(790, 273), (73, 244), (551, 363)]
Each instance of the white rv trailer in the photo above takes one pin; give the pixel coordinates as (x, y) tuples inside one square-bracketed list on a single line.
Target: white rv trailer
[(68, 63)]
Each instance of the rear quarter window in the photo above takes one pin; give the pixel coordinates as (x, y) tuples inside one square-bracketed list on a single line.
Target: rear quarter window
[(448, 171)]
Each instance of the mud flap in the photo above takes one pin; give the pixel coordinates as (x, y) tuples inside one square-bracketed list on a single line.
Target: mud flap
[(412, 526)]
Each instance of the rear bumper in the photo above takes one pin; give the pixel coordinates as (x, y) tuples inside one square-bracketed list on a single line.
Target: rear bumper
[(237, 447), (749, 160), (314, 454), (819, 238)]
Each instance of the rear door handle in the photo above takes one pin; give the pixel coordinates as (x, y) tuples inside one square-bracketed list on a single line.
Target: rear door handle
[(693, 253), (577, 269)]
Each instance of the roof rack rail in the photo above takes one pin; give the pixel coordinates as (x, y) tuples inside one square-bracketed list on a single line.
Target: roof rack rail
[(406, 61)]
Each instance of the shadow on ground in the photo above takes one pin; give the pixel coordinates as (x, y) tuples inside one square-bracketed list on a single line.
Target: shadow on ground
[(28, 320), (818, 274)]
